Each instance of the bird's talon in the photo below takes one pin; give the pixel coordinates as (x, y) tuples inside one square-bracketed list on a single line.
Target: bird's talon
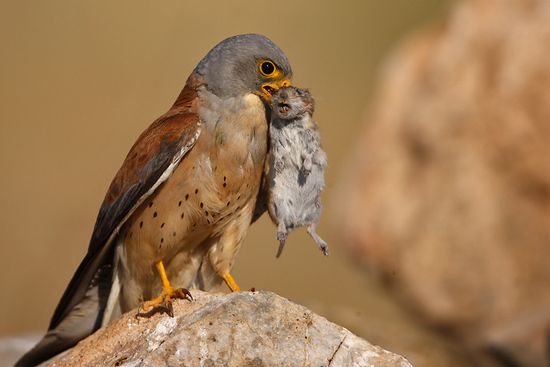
[(183, 293), (168, 308), (163, 303)]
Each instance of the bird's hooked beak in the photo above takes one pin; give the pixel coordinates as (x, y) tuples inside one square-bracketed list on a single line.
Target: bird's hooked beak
[(268, 89)]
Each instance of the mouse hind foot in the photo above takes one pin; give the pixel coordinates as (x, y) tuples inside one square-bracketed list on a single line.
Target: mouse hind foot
[(311, 229), (282, 235)]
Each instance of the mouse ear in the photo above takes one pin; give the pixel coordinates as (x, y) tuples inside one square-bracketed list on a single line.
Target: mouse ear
[(308, 98)]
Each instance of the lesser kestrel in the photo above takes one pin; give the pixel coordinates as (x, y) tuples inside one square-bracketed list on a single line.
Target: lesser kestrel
[(182, 202)]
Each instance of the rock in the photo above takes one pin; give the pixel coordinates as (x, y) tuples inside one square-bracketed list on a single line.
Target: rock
[(448, 195), (238, 329)]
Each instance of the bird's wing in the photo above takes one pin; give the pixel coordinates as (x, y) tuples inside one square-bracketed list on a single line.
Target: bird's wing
[(149, 163), (262, 197)]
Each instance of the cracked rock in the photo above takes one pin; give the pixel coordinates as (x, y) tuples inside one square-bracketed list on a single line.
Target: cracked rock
[(238, 329)]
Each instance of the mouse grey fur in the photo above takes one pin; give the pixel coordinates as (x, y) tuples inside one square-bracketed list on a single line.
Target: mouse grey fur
[(296, 165)]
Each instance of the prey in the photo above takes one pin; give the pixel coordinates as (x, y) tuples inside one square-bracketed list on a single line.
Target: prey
[(296, 165)]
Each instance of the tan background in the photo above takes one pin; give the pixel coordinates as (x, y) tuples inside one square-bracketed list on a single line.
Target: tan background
[(80, 80)]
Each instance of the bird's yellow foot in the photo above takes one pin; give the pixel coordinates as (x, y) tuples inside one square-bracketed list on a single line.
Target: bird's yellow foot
[(231, 283), (163, 303)]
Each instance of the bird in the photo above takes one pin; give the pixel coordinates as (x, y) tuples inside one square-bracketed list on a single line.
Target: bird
[(178, 209)]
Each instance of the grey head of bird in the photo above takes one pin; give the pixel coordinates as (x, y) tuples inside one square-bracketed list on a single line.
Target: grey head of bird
[(242, 64)]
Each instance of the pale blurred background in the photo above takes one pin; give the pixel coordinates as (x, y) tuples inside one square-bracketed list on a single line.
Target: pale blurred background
[(80, 80)]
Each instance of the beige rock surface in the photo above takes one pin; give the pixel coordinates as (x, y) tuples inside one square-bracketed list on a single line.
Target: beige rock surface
[(238, 329), (449, 195)]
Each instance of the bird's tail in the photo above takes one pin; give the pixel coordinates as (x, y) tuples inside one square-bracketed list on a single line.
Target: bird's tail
[(86, 310), (50, 345), (76, 326)]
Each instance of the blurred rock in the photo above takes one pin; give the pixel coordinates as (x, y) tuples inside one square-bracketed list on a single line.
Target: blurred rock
[(238, 329), (448, 196)]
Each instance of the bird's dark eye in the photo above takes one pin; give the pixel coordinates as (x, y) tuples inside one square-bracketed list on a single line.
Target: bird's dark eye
[(267, 68)]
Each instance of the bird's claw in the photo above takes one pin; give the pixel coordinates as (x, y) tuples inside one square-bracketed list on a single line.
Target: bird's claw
[(163, 303)]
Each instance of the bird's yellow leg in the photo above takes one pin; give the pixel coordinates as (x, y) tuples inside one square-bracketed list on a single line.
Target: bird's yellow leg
[(231, 283), (163, 302), (166, 286)]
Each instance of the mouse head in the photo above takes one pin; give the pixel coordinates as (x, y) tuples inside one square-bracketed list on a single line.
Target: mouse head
[(289, 103)]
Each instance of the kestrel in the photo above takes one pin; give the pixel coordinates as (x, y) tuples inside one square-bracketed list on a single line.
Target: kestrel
[(177, 211)]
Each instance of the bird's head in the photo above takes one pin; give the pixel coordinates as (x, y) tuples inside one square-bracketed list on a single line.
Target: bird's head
[(248, 63)]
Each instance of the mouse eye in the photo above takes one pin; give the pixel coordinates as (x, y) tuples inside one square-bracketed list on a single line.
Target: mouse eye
[(267, 68)]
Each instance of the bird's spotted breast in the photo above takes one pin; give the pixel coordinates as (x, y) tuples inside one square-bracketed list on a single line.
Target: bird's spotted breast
[(216, 183)]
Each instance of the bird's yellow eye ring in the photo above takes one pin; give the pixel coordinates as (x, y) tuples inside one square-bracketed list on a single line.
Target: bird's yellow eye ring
[(267, 68)]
